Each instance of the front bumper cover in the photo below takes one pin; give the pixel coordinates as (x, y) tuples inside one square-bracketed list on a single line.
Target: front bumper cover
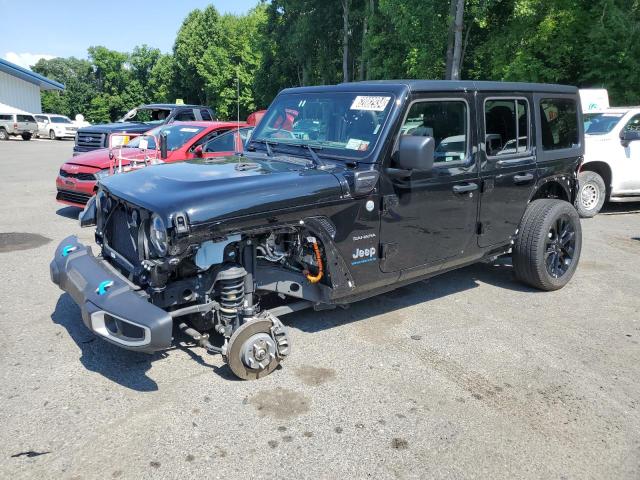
[(111, 306)]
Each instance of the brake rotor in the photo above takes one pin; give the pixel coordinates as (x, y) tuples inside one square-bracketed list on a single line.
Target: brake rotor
[(256, 348)]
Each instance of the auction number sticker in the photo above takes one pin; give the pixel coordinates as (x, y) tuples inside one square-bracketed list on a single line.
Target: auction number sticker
[(370, 103)]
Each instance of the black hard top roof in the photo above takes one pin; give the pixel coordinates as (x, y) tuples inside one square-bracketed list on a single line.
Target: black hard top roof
[(445, 85)]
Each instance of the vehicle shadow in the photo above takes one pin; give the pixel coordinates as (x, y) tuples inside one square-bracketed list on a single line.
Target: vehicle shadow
[(69, 212), (499, 274), (613, 208), (118, 365)]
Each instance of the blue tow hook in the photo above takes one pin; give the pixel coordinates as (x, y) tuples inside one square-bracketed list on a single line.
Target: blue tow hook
[(102, 288), (68, 249)]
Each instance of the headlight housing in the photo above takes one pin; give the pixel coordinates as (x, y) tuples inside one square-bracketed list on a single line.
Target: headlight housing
[(158, 235)]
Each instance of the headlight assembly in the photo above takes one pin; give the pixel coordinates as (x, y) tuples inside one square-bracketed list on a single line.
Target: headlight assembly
[(158, 235)]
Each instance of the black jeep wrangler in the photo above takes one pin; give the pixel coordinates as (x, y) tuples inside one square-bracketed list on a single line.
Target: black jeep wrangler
[(343, 192)]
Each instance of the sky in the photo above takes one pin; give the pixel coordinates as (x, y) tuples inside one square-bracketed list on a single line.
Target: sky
[(47, 29)]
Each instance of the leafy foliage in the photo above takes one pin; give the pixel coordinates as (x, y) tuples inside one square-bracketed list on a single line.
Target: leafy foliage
[(285, 43)]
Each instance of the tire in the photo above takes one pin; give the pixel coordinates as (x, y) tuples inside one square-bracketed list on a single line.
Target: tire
[(3, 134), (542, 258), (52, 135), (592, 193), (26, 136)]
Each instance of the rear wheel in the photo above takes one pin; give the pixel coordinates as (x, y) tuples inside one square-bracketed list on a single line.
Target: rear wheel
[(548, 245), (26, 136), (591, 194), (3, 134), (52, 135)]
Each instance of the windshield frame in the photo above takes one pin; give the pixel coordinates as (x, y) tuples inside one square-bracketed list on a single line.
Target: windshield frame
[(299, 147)]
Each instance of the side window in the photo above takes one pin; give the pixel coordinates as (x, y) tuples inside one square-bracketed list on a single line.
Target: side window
[(223, 143), (446, 122), (633, 124), (507, 128), (204, 113), (185, 116), (559, 123), (5, 117), (41, 118)]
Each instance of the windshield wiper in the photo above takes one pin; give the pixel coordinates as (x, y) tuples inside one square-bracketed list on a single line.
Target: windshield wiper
[(267, 144), (317, 161)]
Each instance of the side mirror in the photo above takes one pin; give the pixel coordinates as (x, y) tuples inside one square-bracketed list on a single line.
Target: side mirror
[(628, 136), (163, 145), (197, 152), (416, 153)]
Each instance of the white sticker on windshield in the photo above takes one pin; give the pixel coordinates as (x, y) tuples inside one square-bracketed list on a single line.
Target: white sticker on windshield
[(370, 103), (357, 144), (144, 144), (191, 130)]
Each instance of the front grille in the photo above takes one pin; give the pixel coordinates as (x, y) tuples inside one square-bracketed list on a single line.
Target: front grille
[(74, 197), (120, 237), (85, 177), (90, 140)]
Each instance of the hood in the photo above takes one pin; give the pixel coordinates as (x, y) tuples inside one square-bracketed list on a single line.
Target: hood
[(225, 187), (97, 159), (130, 127)]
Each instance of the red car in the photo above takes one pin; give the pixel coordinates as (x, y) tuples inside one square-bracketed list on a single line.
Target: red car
[(77, 179)]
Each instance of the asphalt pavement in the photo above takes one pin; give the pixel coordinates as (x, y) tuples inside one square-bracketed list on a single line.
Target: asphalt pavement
[(467, 375)]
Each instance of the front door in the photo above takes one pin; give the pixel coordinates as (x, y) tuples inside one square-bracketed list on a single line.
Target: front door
[(508, 165), (431, 216), (628, 167)]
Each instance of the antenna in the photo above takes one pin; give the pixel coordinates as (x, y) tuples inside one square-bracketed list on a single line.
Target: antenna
[(238, 99)]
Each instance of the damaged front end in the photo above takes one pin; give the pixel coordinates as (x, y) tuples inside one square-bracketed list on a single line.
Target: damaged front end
[(161, 274)]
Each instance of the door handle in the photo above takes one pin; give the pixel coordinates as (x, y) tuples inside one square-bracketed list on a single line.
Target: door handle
[(465, 187), (527, 177)]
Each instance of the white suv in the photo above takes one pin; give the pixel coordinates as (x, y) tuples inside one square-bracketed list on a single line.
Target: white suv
[(611, 167), (55, 126)]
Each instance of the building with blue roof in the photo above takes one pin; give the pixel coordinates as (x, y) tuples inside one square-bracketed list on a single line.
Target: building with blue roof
[(20, 88)]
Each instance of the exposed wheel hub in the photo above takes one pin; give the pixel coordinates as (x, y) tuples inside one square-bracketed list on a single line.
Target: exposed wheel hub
[(258, 351), (257, 347)]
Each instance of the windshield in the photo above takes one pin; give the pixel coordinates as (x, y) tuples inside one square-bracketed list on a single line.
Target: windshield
[(60, 120), (600, 123), (177, 136), (341, 123)]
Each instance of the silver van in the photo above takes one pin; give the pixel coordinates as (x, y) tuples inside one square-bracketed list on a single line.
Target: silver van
[(14, 124)]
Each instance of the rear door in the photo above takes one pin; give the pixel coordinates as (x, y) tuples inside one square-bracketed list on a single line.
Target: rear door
[(431, 216), (42, 124), (508, 164)]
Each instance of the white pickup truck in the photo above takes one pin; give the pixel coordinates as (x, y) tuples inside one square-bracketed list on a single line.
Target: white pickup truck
[(611, 167)]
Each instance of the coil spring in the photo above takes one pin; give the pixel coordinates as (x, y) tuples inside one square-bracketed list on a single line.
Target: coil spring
[(231, 297)]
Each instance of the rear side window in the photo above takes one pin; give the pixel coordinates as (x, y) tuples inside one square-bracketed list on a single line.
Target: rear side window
[(559, 123), (506, 123), (185, 116), (6, 117), (41, 118), (204, 113), (26, 118)]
